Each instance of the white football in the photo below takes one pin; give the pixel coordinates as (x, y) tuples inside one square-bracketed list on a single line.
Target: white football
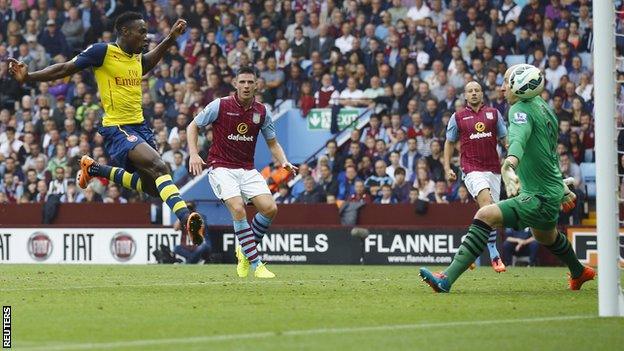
[(526, 81)]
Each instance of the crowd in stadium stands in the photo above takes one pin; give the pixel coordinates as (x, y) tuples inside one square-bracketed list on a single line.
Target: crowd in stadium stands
[(407, 60)]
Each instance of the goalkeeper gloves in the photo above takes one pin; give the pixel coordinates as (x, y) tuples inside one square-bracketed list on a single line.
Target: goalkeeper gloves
[(510, 178), (568, 203)]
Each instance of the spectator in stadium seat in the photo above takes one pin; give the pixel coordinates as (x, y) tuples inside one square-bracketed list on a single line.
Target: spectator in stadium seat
[(424, 140), (300, 45), (11, 187), (73, 28), (42, 191), (306, 101), (434, 160), (380, 177), (414, 196), (292, 87), (410, 156), (11, 166), (365, 167), (554, 72), (334, 159), (327, 96), (463, 196), (274, 78), (440, 194), (520, 243), (472, 40), (11, 144), (425, 185), (360, 193), (312, 194), (586, 132), (323, 42), (168, 156), (180, 172), (59, 159), (299, 186), (355, 150), (113, 196), (53, 40), (577, 151), (234, 56), (284, 195), (345, 41), (395, 163), (352, 96), (381, 150), (564, 131), (386, 197), (346, 186), (328, 181), (400, 187), (283, 54), (562, 114)]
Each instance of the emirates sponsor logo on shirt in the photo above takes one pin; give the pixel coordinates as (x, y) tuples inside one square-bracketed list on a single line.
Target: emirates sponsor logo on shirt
[(239, 137), (482, 135)]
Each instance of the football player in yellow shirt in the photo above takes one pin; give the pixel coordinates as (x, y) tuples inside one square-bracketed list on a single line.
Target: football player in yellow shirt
[(128, 140)]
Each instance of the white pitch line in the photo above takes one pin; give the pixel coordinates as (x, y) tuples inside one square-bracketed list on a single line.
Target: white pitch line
[(80, 287), (270, 334)]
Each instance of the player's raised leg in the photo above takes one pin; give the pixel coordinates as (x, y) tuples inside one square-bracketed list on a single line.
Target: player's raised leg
[(156, 179), (89, 169), (246, 239), (557, 243), (484, 222)]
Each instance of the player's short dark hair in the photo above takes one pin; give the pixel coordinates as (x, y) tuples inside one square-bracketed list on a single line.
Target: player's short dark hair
[(247, 70), (126, 18), (399, 170)]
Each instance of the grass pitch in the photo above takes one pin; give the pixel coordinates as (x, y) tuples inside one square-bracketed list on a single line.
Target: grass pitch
[(207, 307)]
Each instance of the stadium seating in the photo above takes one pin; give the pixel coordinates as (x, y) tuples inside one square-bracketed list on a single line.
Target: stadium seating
[(588, 172)]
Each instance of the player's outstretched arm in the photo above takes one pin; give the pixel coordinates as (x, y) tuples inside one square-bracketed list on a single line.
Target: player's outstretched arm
[(280, 156), (19, 70), (153, 57), (196, 164)]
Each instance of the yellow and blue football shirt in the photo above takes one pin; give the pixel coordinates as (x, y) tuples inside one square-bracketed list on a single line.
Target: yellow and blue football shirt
[(118, 76)]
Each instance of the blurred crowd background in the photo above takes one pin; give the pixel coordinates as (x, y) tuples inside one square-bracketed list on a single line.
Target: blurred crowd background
[(406, 60)]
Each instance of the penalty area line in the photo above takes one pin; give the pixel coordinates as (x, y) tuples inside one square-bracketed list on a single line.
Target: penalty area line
[(302, 332)]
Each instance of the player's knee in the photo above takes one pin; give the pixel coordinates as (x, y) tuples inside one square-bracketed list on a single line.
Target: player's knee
[(270, 211), (238, 212), (158, 168), (488, 214)]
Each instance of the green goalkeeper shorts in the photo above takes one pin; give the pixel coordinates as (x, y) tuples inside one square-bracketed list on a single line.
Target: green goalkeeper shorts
[(527, 210)]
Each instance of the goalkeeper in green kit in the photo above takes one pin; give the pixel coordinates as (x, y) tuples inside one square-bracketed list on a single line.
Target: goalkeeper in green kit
[(532, 180)]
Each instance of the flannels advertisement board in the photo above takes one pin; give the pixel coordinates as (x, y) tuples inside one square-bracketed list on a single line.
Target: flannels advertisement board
[(80, 245), (411, 246), (294, 246)]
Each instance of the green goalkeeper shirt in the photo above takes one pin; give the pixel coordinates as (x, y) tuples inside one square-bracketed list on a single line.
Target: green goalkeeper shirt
[(533, 134)]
